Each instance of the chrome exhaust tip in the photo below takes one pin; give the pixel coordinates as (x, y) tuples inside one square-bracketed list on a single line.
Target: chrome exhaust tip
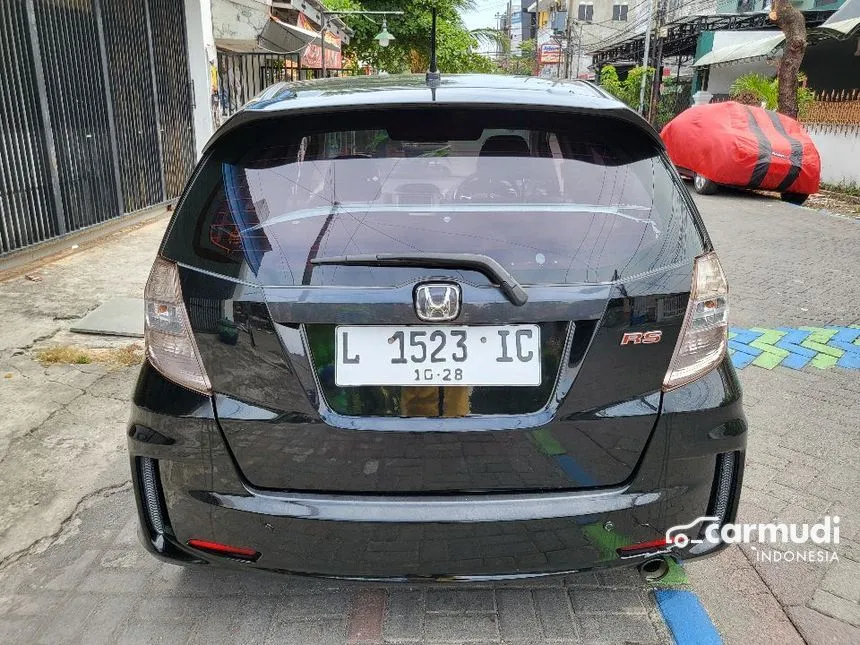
[(654, 569)]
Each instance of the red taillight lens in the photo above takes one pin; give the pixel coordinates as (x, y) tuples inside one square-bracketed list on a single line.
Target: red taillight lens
[(170, 344), (703, 339), (239, 552), (643, 547)]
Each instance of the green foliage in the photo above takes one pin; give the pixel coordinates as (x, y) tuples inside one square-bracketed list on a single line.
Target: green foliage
[(628, 89), (844, 187), (755, 89), (521, 63), (410, 50)]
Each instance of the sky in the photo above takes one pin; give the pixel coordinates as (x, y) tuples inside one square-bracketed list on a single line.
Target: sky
[(484, 14)]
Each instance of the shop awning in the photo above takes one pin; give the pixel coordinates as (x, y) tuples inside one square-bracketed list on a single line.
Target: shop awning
[(840, 29), (279, 36), (743, 51)]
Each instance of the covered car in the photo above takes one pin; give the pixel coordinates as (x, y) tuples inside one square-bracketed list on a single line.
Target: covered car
[(740, 145)]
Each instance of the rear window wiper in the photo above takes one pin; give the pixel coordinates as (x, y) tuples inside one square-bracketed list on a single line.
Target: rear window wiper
[(480, 263)]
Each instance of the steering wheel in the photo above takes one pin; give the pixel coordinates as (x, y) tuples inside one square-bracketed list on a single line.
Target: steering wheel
[(480, 188)]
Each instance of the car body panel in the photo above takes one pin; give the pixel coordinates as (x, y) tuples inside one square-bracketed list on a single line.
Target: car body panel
[(516, 536)]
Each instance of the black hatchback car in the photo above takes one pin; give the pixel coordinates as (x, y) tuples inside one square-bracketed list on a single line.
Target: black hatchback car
[(474, 330)]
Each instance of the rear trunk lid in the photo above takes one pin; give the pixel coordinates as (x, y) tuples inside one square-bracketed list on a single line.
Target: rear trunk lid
[(583, 212)]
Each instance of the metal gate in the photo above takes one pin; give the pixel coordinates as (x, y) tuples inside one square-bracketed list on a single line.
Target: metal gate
[(96, 113), (241, 76)]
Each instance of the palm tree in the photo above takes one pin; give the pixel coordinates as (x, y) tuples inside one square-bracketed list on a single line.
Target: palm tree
[(490, 36)]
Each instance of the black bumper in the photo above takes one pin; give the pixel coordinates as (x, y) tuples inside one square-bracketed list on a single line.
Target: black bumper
[(423, 537)]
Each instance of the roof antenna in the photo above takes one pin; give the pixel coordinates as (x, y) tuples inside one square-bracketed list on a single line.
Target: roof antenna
[(433, 78)]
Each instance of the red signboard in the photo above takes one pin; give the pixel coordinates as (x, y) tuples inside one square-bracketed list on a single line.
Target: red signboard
[(550, 53), (312, 55)]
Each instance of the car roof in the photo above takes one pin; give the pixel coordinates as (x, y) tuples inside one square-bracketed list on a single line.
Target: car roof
[(412, 90)]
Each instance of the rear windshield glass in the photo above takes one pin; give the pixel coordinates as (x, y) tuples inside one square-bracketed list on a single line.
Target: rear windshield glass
[(554, 200)]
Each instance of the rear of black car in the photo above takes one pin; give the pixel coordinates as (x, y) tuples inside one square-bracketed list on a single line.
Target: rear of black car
[(307, 407)]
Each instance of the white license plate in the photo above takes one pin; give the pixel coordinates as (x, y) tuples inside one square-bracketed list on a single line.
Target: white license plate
[(438, 355)]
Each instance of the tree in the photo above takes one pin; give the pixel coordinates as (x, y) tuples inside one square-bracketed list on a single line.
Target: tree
[(628, 89), (757, 89), (521, 63), (456, 47), (793, 24)]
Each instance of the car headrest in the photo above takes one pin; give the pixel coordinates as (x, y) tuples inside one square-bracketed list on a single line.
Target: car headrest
[(505, 145)]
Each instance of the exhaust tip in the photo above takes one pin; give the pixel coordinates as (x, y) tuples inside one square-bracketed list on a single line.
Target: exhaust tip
[(654, 569)]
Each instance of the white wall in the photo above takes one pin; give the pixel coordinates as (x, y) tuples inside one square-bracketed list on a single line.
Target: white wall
[(201, 61), (839, 147), (721, 77), (239, 19)]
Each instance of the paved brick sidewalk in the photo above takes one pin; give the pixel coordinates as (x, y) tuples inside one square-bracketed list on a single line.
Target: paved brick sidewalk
[(789, 266), (97, 585)]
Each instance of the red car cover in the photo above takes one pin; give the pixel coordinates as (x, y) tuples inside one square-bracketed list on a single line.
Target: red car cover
[(740, 145)]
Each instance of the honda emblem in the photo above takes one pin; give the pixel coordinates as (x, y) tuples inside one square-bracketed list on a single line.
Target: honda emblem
[(437, 302)]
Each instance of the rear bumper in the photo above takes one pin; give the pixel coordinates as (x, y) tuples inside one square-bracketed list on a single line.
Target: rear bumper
[(429, 537)]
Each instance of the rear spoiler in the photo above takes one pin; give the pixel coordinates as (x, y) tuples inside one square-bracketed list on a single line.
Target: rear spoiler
[(560, 103)]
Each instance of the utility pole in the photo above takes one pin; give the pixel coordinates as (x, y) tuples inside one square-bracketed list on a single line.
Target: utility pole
[(322, 43), (658, 63), (645, 57), (579, 51)]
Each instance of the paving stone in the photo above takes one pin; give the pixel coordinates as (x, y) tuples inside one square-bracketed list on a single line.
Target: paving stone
[(592, 601), (404, 621), (843, 580), (836, 607), (517, 618), (617, 628), (234, 621), (311, 606), (330, 631), (818, 629), (460, 600), (553, 610), (461, 628)]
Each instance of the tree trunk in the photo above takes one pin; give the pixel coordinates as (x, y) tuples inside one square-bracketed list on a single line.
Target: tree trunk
[(792, 23)]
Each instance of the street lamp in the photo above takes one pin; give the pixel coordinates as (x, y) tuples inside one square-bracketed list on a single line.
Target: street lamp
[(384, 37)]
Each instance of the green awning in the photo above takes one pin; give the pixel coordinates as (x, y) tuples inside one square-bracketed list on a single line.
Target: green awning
[(743, 51)]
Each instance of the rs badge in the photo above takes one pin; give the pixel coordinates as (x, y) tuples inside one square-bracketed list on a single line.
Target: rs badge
[(642, 337)]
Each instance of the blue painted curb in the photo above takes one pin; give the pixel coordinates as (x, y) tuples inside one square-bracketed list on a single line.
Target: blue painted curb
[(686, 618)]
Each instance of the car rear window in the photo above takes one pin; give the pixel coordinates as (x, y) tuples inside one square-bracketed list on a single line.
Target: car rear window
[(554, 198)]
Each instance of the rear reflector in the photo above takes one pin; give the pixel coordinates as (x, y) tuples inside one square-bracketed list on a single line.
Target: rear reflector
[(238, 552), (724, 477), (151, 497), (643, 547)]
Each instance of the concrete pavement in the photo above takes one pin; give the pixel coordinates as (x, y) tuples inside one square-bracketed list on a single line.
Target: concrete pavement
[(71, 571)]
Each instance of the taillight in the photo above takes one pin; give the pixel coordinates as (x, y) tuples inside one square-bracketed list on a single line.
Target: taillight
[(170, 345), (704, 335)]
